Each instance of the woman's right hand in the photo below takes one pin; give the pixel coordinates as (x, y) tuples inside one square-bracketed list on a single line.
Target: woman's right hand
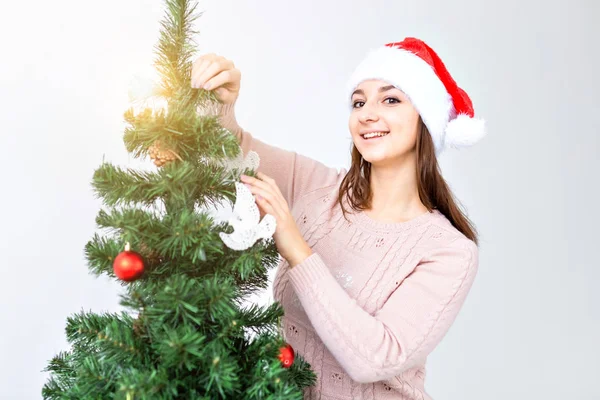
[(214, 72)]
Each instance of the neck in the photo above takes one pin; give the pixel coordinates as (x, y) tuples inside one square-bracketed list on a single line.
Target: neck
[(395, 191)]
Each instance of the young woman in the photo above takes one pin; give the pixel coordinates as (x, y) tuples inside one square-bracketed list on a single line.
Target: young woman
[(377, 259)]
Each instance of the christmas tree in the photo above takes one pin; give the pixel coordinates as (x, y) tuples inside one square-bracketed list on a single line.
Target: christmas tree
[(184, 333)]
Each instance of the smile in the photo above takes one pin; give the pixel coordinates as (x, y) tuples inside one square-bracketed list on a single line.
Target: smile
[(374, 135)]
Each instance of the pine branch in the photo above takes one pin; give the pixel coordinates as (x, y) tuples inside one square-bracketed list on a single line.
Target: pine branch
[(193, 136), (181, 184)]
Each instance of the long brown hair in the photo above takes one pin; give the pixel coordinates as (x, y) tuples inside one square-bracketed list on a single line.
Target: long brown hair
[(433, 189)]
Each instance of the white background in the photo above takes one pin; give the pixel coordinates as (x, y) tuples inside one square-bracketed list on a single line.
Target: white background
[(531, 324)]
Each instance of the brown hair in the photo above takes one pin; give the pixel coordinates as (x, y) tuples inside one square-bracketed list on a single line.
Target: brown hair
[(433, 189)]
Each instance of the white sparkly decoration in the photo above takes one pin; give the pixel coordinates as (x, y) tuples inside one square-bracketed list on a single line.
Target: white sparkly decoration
[(296, 302), (344, 279), (245, 221), (240, 163)]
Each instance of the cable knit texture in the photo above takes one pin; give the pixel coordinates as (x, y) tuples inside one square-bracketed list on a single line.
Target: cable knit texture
[(375, 298)]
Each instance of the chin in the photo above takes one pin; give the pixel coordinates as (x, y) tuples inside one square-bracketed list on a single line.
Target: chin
[(374, 158), (379, 159)]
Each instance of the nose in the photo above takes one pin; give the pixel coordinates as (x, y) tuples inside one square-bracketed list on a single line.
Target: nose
[(366, 118), (366, 115)]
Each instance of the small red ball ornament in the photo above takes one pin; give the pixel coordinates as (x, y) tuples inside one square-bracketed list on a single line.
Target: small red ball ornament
[(286, 356), (128, 265)]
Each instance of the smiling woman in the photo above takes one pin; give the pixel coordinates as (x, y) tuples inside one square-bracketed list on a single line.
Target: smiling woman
[(404, 93), (369, 294)]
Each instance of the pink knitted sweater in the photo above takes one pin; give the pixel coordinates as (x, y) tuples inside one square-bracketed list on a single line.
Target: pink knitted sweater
[(375, 298)]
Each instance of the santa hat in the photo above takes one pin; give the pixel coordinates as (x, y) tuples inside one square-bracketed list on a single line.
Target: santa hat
[(413, 67)]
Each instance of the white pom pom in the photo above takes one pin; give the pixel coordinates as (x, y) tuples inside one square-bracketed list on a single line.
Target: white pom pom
[(464, 131)]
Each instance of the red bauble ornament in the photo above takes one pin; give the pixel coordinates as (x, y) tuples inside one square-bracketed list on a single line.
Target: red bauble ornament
[(286, 356), (128, 265)]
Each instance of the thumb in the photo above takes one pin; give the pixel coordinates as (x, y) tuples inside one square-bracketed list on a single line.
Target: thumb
[(222, 95), (261, 212)]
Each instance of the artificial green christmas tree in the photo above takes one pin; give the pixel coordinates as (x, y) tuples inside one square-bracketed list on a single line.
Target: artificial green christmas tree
[(185, 333)]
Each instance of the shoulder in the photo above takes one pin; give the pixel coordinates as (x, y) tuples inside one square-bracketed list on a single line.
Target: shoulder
[(324, 196), (442, 242)]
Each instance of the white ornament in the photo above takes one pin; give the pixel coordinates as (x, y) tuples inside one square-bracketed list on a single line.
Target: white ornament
[(245, 221), (240, 163)]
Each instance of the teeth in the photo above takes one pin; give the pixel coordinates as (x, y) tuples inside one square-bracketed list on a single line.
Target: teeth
[(373, 134)]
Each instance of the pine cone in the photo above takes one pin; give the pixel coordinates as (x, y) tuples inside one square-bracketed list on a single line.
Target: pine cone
[(160, 155), (138, 326), (151, 255)]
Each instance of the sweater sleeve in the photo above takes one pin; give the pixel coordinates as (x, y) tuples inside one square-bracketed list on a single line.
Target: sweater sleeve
[(294, 173), (411, 323)]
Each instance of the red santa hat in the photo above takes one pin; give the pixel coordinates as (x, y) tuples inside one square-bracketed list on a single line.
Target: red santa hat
[(413, 67)]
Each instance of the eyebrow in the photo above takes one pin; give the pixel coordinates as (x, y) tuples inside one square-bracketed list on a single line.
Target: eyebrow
[(381, 90)]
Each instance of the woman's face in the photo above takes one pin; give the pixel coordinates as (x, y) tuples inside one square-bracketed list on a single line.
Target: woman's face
[(379, 106)]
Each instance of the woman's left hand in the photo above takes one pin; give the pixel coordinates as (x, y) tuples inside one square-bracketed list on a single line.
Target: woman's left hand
[(290, 243)]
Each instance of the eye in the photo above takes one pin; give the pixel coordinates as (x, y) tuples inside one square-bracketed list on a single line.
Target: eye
[(354, 104), (386, 99)]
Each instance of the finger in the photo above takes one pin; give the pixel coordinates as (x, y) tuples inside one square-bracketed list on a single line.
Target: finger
[(213, 69), (200, 59), (265, 178), (271, 182), (230, 75), (266, 208), (200, 66), (202, 63), (252, 181), (273, 199), (268, 180), (259, 183), (198, 72)]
